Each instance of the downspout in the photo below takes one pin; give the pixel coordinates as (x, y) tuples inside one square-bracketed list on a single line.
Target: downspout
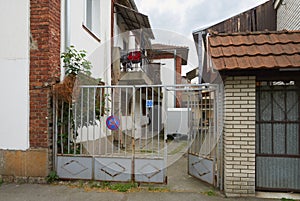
[(113, 18), (200, 56), (66, 31), (208, 63), (67, 24)]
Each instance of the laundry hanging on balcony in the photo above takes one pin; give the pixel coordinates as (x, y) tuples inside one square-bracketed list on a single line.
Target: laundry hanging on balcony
[(130, 58)]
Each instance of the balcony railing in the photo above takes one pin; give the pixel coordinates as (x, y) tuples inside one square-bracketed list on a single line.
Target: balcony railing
[(135, 61)]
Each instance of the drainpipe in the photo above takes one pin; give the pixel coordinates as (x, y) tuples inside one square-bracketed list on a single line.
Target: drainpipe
[(200, 56), (67, 24), (66, 31)]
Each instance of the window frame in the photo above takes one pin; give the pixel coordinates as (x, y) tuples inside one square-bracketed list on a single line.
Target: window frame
[(91, 18)]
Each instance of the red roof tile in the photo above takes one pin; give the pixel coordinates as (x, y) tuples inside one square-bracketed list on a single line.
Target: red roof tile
[(255, 50)]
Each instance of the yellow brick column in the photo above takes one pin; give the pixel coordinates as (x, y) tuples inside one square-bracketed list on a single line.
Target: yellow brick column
[(239, 136)]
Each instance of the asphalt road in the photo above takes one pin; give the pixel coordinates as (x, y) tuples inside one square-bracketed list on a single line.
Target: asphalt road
[(43, 192)]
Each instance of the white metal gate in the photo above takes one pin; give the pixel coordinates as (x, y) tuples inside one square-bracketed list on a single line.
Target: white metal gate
[(111, 133), (205, 134), (119, 133)]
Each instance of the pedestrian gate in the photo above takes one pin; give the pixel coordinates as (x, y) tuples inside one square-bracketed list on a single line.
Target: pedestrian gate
[(119, 133)]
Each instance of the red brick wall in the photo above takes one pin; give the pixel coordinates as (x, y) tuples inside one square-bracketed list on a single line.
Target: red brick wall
[(178, 80), (44, 67)]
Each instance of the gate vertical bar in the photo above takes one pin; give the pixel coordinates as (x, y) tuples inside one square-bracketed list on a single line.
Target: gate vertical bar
[(55, 131), (215, 136), (87, 120), (126, 115), (94, 120), (75, 127), (105, 102), (61, 127), (69, 127), (166, 127), (100, 123), (120, 116), (152, 121), (133, 132), (147, 115), (158, 120), (141, 115), (81, 119), (112, 113)]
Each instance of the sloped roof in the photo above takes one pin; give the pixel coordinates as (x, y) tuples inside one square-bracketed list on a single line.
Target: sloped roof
[(256, 50), (182, 51)]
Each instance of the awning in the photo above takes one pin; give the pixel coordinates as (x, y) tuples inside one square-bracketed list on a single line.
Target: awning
[(133, 20), (192, 74)]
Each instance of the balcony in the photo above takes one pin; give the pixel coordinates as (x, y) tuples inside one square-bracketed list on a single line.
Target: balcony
[(137, 70)]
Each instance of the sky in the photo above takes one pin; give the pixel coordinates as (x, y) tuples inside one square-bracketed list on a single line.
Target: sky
[(186, 16), (173, 21)]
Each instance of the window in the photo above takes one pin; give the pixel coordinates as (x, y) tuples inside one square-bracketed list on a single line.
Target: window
[(92, 17), (278, 118)]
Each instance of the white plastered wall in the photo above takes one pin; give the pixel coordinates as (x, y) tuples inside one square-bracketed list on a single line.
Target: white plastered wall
[(14, 77), (99, 53)]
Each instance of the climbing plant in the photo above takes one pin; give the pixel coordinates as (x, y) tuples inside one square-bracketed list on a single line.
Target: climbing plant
[(75, 61)]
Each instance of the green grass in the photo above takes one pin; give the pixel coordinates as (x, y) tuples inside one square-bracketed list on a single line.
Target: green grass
[(122, 187), (146, 151), (158, 189), (287, 199), (102, 185), (81, 183), (52, 177), (1, 182), (210, 193)]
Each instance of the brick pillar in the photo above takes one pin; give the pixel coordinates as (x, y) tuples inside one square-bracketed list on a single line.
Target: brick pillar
[(44, 67), (239, 136), (178, 80)]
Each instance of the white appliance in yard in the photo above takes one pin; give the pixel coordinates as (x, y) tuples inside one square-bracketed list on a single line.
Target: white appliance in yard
[(178, 121)]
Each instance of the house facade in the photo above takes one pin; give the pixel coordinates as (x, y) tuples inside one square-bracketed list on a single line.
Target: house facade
[(31, 62), (35, 35), (287, 14), (259, 18), (259, 70)]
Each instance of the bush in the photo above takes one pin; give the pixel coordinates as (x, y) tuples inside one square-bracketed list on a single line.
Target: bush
[(52, 177)]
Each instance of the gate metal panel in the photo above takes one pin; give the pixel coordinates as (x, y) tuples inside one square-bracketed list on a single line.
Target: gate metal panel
[(205, 131), (201, 168), (74, 167), (113, 169), (150, 170)]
